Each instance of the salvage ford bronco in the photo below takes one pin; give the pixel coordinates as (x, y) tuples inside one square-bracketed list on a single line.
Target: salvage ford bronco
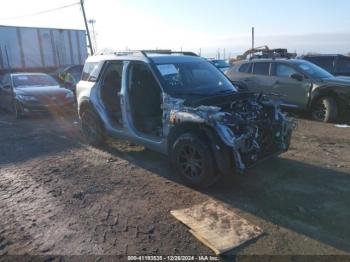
[(183, 106)]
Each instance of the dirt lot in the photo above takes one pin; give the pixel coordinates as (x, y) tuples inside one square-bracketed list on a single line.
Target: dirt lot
[(59, 196)]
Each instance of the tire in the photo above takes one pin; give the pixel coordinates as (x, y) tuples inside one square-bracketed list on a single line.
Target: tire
[(325, 109), (92, 128), (17, 109), (194, 161)]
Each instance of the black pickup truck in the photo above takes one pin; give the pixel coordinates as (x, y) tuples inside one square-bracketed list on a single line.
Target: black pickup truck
[(337, 65)]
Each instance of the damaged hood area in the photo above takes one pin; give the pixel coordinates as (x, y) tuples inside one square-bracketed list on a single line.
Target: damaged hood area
[(253, 127)]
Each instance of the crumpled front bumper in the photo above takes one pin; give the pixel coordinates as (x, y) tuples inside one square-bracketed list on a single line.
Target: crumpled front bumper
[(236, 144), (66, 106)]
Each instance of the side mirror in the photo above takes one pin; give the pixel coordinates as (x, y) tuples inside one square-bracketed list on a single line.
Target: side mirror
[(297, 77)]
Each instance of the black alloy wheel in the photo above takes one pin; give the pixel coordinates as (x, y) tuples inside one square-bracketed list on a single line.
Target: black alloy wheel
[(194, 162), (191, 162)]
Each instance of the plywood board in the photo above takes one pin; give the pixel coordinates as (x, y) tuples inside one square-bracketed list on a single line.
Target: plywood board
[(216, 226)]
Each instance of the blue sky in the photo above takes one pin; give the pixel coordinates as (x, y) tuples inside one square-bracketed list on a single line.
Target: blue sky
[(237, 16), (302, 26)]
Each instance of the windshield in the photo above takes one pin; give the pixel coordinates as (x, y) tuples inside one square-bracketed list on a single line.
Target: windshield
[(196, 78), (33, 80), (313, 70), (220, 63)]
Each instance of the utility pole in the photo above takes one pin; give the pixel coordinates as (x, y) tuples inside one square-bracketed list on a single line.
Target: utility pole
[(8, 60), (10, 69), (92, 22), (87, 27), (253, 37)]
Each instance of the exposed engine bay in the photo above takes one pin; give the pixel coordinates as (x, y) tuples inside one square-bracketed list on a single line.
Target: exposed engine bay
[(252, 126)]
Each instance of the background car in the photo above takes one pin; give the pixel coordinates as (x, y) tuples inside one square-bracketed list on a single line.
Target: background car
[(338, 65), (221, 64), (300, 84), (25, 93)]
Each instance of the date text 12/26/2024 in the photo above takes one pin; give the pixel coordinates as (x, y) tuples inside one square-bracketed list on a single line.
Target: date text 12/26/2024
[(173, 258)]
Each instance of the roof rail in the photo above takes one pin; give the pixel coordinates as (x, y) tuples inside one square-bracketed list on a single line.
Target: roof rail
[(168, 52), (127, 52), (145, 53)]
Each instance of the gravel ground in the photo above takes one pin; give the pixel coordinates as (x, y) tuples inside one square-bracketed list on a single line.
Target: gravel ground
[(59, 196)]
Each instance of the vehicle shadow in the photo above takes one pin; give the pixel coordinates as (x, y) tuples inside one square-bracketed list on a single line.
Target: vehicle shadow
[(307, 199), (31, 137)]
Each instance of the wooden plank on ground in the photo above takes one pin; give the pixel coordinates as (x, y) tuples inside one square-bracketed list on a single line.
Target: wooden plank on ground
[(216, 226)]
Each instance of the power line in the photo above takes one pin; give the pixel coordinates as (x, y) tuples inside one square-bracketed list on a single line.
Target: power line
[(41, 12)]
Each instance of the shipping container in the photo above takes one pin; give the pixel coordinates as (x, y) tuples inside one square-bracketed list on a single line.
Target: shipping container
[(40, 49)]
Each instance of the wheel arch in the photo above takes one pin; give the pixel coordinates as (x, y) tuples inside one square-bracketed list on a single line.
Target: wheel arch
[(86, 104), (221, 152), (323, 92), (180, 129)]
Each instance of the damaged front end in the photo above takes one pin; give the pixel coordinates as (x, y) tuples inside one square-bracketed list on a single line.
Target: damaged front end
[(251, 127)]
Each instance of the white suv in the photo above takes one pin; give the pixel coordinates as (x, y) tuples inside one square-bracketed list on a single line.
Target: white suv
[(183, 106)]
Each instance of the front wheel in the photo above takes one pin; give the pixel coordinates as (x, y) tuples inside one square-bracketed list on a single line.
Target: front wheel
[(17, 109), (92, 128), (325, 109), (194, 161)]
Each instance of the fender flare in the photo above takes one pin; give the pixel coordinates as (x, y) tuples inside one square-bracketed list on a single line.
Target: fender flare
[(323, 92), (87, 104), (84, 103)]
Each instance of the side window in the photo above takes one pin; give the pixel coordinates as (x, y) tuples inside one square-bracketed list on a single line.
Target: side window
[(261, 68), (283, 70), (91, 71), (245, 68)]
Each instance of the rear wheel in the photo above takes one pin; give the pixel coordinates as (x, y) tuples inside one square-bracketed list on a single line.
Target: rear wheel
[(325, 109), (92, 128), (194, 161)]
